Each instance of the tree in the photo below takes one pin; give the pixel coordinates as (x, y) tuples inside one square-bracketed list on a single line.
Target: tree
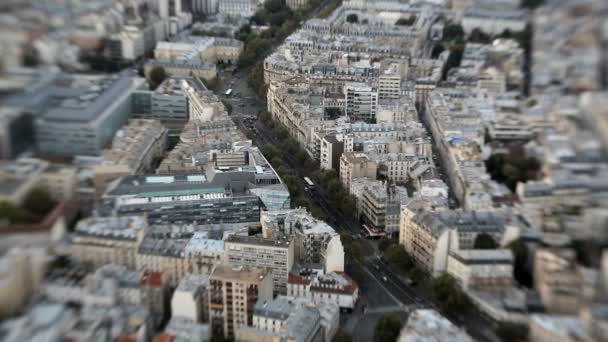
[(228, 106), (352, 18), (30, 58), (416, 274), (406, 22), (478, 36), (397, 255), (348, 206), (12, 214), (332, 113), (384, 243), (448, 294), (387, 328), (352, 247), (254, 230), (510, 332), (531, 4), (437, 50), (521, 271), (484, 241), (38, 202), (452, 32), (270, 151), (157, 76), (455, 57)]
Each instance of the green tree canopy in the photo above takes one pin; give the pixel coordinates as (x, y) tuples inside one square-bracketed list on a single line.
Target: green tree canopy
[(397, 255), (352, 18), (484, 241), (509, 332), (332, 113), (455, 57), (157, 76), (387, 328), (448, 294), (453, 31), (437, 50), (39, 202), (406, 21), (521, 271), (12, 214), (478, 36)]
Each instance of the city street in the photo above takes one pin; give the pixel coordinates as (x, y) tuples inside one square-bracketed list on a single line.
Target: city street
[(382, 290)]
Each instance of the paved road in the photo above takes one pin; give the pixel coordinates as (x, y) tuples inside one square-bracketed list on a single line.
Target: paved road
[(381, 289)]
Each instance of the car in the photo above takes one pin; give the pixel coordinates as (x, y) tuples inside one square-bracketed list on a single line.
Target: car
[(384, 278), (377, 267)]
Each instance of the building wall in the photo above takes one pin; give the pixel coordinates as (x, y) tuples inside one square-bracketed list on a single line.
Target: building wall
[(334, 255), (480, 275), (100, 251), (279, 259), (174, 268), (226, 295), (185, 305)]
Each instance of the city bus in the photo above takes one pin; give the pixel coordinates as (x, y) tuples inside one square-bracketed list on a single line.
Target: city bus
[(309, 183), (228, 92)]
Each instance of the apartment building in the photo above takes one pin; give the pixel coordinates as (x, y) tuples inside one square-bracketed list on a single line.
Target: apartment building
[(163, 255), (135, 149), (183, 329), (190, 299), (203, 254), (336, 288), (253, 251), (233, 293), (19, 177), (401, 109), (108, 240), (354, 165), (558, 280), (389, 80), (314, 240), (477, 268), (332, 147), (429, 236), (430, 324), (245, 8), (361, 101), (210, 49), (379, 205), (286, 318)]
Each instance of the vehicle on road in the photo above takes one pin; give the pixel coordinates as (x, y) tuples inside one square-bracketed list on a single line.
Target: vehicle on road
[(309, 183), (228, 92), (377, 267), (384, 278)]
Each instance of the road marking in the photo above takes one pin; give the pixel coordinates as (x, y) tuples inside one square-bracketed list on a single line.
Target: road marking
[(382, 286)]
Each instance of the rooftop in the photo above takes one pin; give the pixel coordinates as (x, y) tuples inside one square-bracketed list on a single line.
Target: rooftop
[(201, 244), (241, 273), (123, 227), (429, 325), (483, 256), (258, 241)]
